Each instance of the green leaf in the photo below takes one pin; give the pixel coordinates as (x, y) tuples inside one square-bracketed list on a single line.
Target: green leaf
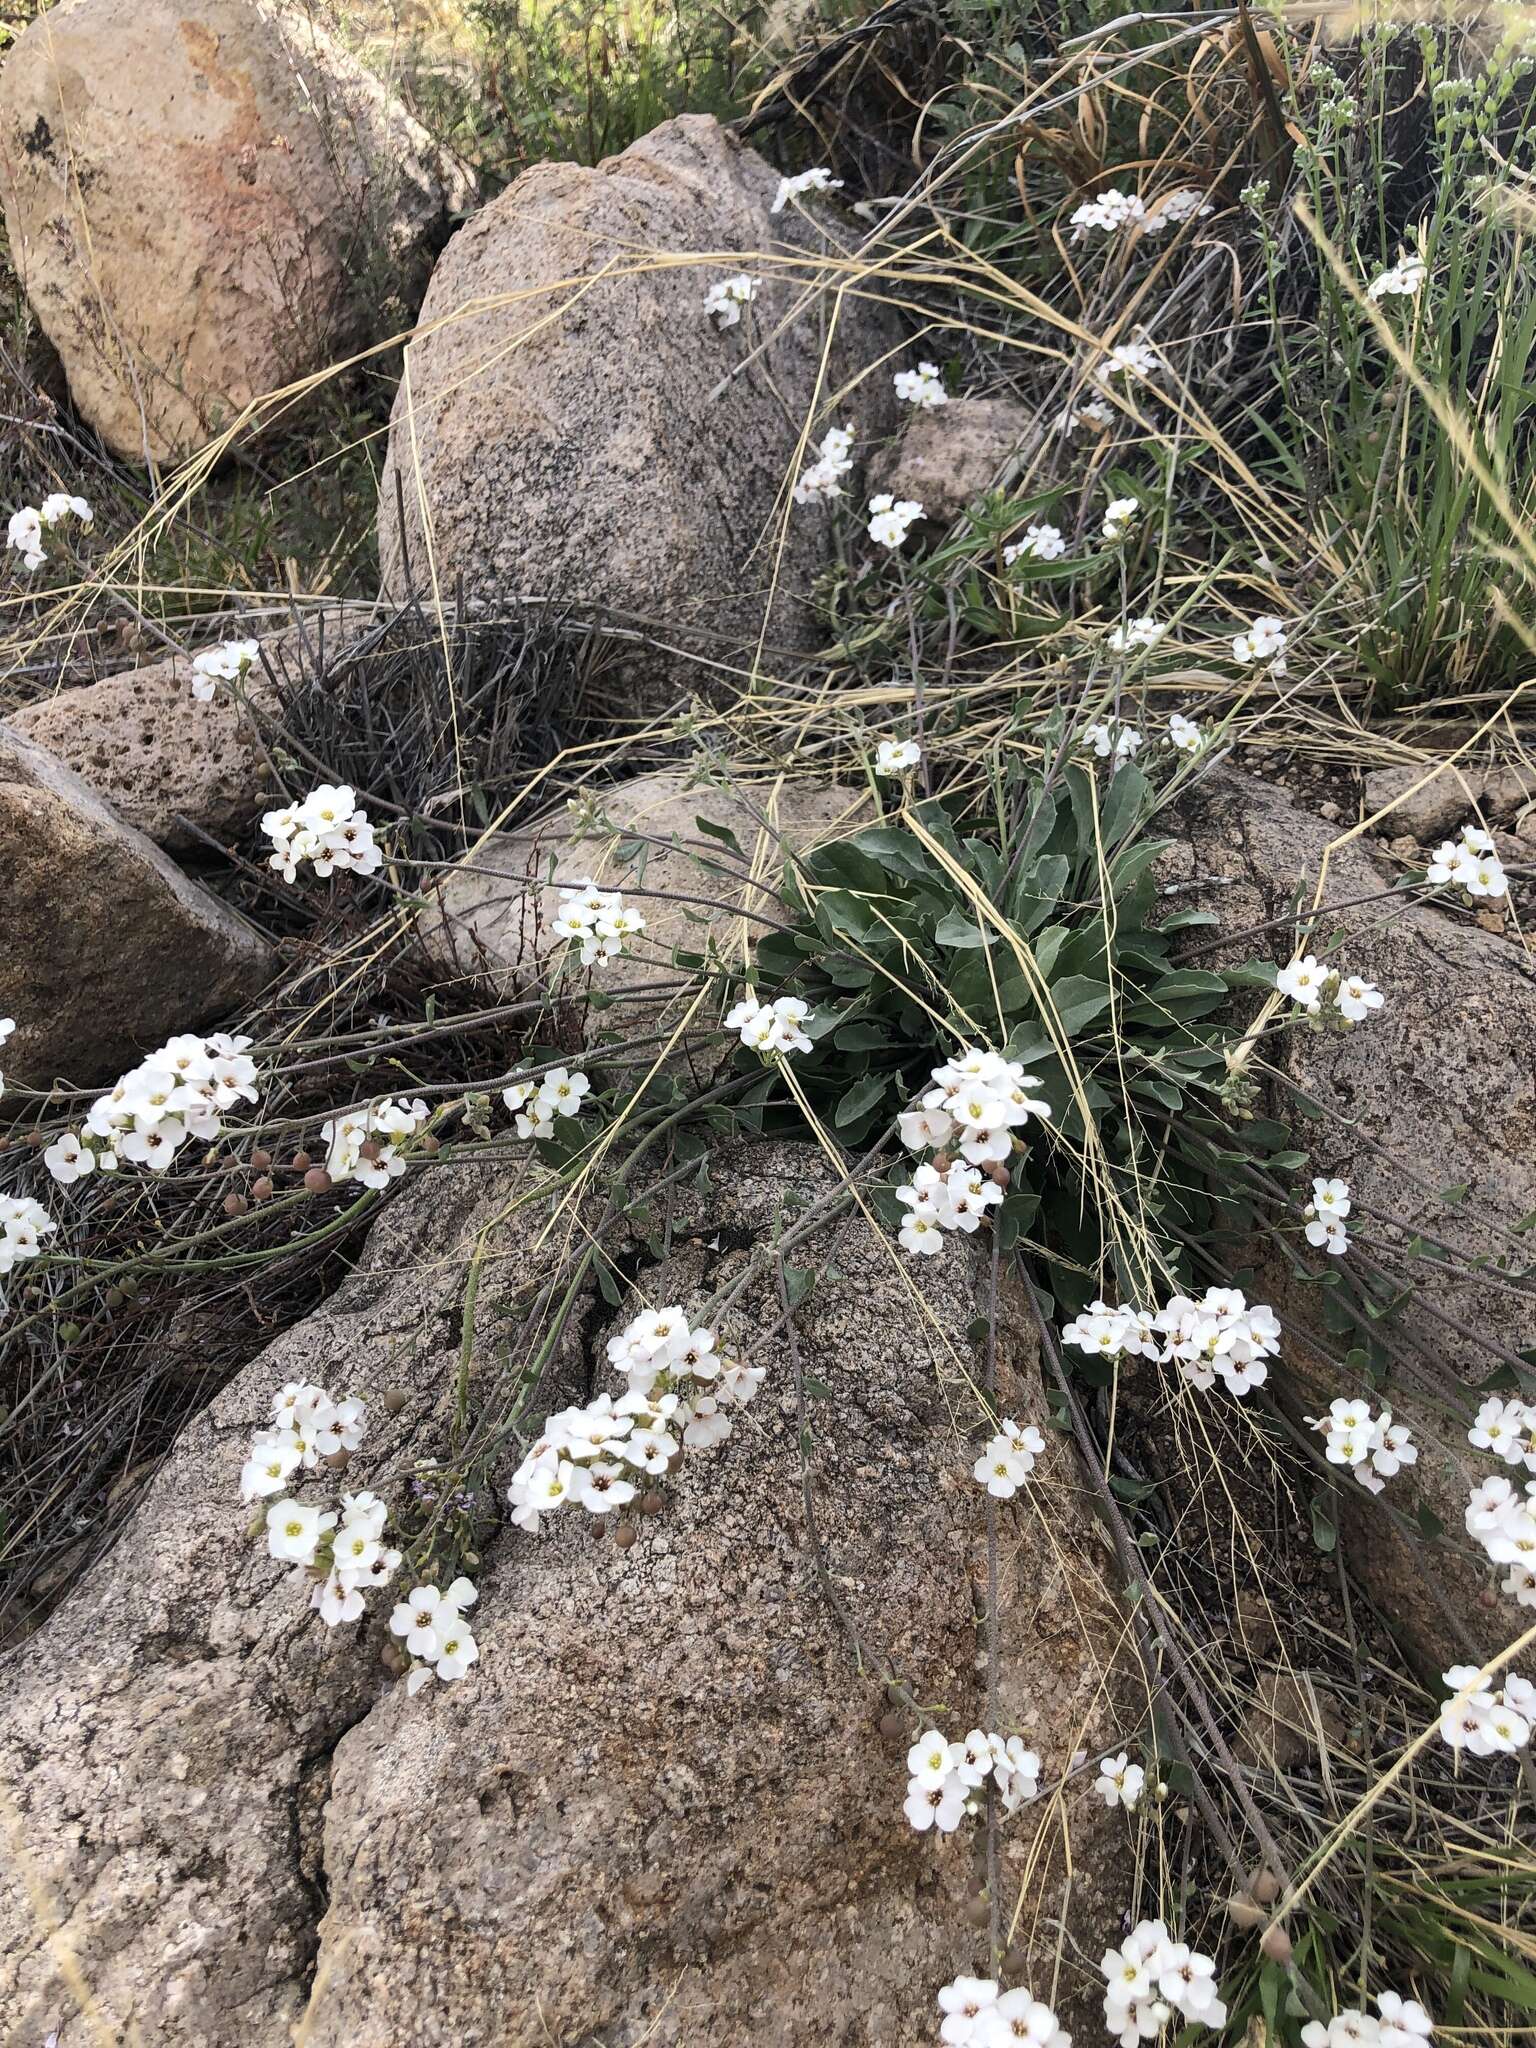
[(1077, 1000), (798, 1283), (858, 1100), (861, 1034), (957, 930), (1324, 1533), (721, 832)]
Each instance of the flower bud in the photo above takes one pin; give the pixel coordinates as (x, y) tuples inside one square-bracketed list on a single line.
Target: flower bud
[(317, 1180)]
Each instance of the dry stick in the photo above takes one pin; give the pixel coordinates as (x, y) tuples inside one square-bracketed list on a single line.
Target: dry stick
[(994, 1886), (1131, 1566)]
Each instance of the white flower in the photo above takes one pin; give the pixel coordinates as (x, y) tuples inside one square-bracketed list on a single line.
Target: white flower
[(1264, 641), (1149, 1977), (1184, 734), (1356, 998), (25, 535), (69, 1159), (897, 757), (1112, 739), (1325, 1232), (1110, 211), (364, 1144), (1020, 2017), (1008, 1460), (771, 1029), (328, 829), (1402, 280), (227, 663), (1144, 632), (818, 180), (922, 387), (294, 1530), (1120, 517), (1175, 208), (824, 477), (1469, 863), (725, 298), (23, 1226), (1485, 1721), (1404, 2022), (966, 2005), (935, 1806), (1041, 543), (1120, 1782), (1130, 359), (1092, 412), (59, 506), (1303, 981), (891, 518), (928, 1760)]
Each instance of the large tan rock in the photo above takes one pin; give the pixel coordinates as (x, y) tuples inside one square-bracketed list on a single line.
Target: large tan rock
[(1435, 1091), (1452, 796), (571, 426), (179, 769), (659, 1807), (491, 917), (108, 947), (202, 205), (949, 457)]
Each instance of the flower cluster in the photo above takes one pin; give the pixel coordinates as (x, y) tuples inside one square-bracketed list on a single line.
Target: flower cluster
[(1263, 642), (328, 829), (1008, 1459), (1120, 1782), (977, 1101), (820, 179), (1041, 543), (27, 527), (937, 1202), (1150, 1977), (1502, 1520), (1374, 1447), (1469, 863), (1324, 1216), (230, 662), (1221, 1336), (1120, 517), (1489, 1720), (1171, 211), (1403, 2024), (596, 920), (1109, 212), (307, 1425), (1184, 734), (726, 297), (1326, 994), (890, 519), (772, 1029), (364, 1144), (182, 1091), (1129, 359), (681, 1393), (1092, 412), (946, 1778), (922, 387), (1508, 1429), (23, 1226), (979, 2014), (1134, 633), (537, 1103), (824, 478), (1112, 739), (897, 757), (434, 1633), (1401, 281)]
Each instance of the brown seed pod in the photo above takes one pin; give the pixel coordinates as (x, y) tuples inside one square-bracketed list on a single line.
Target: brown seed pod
[(370, 1148), (260, 1160), (942, 1162), (1000, 1177), (893, 1726), (1276, 1944), (262, 1190), (1244, 1913), (395, 1399), (317, 1180), (431, 1143), (625, 1534), (978, 1912), (652, 1503), (302, 1162), (1264, 1886), (235, 1205)]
